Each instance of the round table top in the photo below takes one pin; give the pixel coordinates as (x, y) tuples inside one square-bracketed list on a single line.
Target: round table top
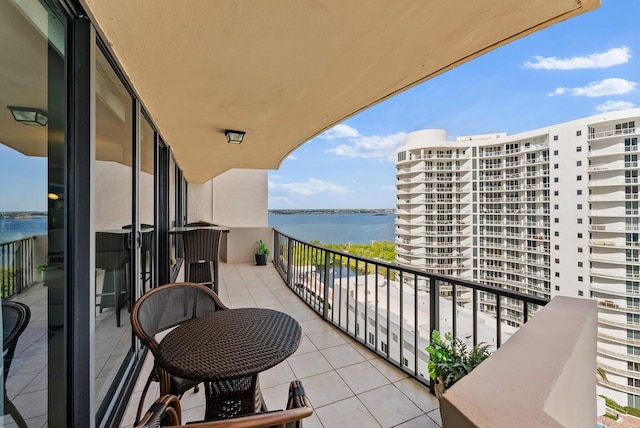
[(229, 344)]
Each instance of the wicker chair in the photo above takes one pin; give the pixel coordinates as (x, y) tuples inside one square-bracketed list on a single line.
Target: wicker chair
[(166, 412), (201, 248), (15, 317), (162, 308), (113, 255), (146, 254)]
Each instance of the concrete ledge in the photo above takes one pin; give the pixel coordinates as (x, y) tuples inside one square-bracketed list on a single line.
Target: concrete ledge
[(544, 376), (239, 245)]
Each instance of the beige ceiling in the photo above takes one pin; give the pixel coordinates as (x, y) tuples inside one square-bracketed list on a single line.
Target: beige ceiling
[(286, 70)]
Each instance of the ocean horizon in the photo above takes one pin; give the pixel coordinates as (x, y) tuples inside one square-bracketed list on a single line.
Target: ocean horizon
[(326, 226)]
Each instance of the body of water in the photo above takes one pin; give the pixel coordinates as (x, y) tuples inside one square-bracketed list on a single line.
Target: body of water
[(336, 228), (13, 229), (329, 228)]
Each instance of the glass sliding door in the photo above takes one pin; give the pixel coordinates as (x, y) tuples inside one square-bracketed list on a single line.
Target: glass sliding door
[(113, 200), (32, 209), (146, 189)]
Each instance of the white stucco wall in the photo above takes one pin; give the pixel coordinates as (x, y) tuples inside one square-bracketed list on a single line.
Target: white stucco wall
[(240, 198), (200, 200)]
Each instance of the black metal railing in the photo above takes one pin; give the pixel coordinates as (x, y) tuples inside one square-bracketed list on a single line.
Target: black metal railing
[(16, 266), (394, 309)]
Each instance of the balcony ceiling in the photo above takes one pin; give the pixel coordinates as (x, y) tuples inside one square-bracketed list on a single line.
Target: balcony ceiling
[(286, 70)]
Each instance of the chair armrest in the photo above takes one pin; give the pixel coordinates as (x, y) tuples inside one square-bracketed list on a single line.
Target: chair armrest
[(298, 408), (165, 411)]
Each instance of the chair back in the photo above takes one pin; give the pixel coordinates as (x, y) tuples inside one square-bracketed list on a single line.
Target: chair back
[(15, 317), (201, 244), (168, 306), (111, 250)]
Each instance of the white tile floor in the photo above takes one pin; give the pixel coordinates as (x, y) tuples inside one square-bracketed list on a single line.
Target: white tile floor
[(347, 384)]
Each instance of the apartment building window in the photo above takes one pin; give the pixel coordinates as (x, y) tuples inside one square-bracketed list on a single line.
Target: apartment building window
[(633, 350), (580, 279), (579, 149), (578, 163), (579, 249), (578, 133), (556, 179), (372, 339), (579, 264), (579, 206), (579, 235), (579, 178), (557, 261), (579, 192), (630, 144), (555, 138), (556, 193), (557, 274), (383, 346), (556, 166), (556, 220), (556, 206), (555, 153), (633, 334), (579, 221), (557, 247), (557, 288), (556, 233), (580, 293)]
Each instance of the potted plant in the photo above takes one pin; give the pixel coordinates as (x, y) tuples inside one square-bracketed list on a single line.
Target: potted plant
[(261, 253), (41, 268), (450, 360)]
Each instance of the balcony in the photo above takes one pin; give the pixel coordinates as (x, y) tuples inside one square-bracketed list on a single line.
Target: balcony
[(345, 380), (351, 370)]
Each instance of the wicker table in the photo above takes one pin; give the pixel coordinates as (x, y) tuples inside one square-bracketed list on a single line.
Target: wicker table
[(226, 350)]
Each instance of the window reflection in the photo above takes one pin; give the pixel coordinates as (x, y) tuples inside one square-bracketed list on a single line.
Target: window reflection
[(113, 217)]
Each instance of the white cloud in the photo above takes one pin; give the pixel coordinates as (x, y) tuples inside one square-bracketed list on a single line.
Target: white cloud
[(611, 86), (280, 201), (614, 56), (614, 105), (292, 157), (340, 131), (558, 91), (310, 187), (373, 146)]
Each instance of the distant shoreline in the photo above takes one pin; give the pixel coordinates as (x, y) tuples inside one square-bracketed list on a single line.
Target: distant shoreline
[(334, 211)]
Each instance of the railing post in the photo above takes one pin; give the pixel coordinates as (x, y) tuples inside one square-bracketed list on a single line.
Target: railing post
[(277, 254), (325, 286), (289, 260), (434, 316)]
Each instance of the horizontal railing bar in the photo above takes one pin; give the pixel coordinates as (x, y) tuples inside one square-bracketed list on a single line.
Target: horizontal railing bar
[(458, 281)]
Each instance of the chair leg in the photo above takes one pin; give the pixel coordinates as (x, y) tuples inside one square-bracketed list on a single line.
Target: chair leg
[(214, 276), (10, 409), (144, 396)]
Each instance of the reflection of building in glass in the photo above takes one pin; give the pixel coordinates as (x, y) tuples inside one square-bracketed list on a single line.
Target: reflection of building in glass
[(552, 211)]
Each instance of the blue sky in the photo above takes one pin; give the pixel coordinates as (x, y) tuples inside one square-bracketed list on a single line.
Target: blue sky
[(584, 66)]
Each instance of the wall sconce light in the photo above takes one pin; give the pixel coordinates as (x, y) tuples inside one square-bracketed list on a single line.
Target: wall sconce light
[(234, 137), (29, 116)]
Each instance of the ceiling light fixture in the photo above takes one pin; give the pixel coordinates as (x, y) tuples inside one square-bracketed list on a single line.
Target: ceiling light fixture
[(29, 116), (234, 137)]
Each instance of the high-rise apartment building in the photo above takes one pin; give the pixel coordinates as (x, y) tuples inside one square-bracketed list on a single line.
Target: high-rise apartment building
[(552, 211)]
